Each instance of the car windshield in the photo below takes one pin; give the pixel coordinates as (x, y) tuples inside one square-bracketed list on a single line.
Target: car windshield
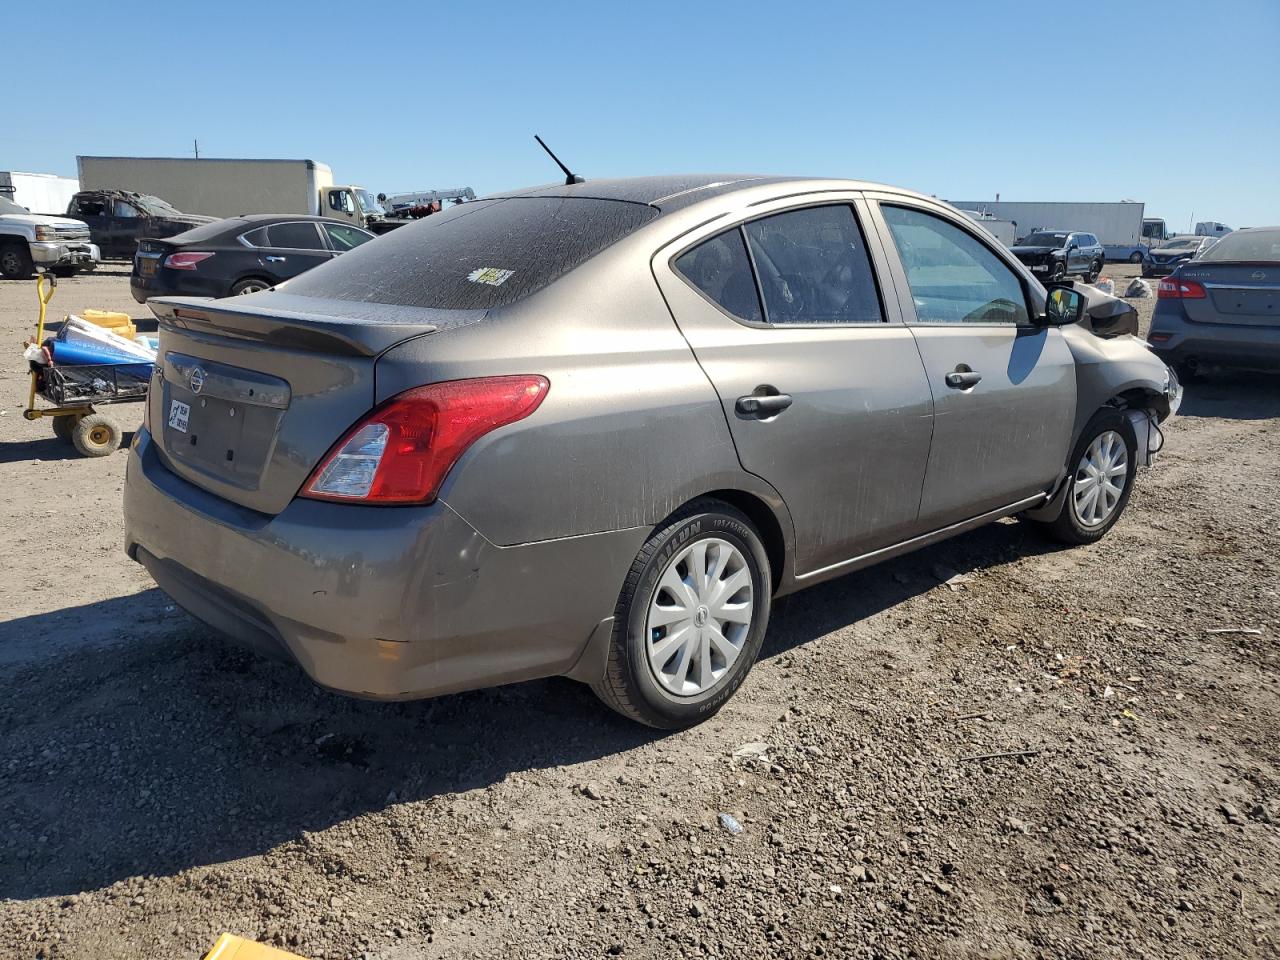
[(157, 207), (477, 256), (8, 206), (1045, 240), (1245, 246), (370, 204)]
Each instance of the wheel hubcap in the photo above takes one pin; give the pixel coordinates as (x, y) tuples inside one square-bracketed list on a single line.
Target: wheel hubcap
[(1100, 479), (699, 617), (252, 288)]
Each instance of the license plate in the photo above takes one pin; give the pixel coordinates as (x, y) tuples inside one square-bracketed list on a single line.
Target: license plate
[(146, 267), (1040, 269), (179, 413)]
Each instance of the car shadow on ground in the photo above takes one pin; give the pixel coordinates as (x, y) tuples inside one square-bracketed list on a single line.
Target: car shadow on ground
[(1233, 395), (49, 448), (169, 749)]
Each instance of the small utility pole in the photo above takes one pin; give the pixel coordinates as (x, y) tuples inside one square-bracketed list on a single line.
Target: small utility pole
[(196, 144)]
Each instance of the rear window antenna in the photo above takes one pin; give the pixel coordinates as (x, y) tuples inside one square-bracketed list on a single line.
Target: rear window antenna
[(570, 178)]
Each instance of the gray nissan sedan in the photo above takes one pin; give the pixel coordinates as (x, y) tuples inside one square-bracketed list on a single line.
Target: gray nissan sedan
[(594, 429)]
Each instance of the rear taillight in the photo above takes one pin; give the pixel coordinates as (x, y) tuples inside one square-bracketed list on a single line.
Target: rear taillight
[(402, 451), (1175, 289), (185, 261)]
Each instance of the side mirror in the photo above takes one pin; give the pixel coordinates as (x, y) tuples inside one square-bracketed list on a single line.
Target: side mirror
[(1064, 305)]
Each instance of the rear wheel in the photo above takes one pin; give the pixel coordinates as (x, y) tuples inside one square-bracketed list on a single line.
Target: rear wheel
[(1103, 465), (64, 427), (690, 620), (250, 285), (15, 261), (96, 435), (1135, 257)]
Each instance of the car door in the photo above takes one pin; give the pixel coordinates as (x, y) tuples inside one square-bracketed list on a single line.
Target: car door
[(1003, 388), (821, 385), (125, 228), (292, 247)]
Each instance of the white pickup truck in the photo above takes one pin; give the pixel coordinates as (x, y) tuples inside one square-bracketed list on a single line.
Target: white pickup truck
[(29, 240)]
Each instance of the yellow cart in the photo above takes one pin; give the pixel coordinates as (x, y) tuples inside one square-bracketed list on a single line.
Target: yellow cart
[(75, 392)]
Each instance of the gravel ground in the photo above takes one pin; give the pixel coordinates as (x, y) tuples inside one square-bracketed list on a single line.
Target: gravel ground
[(157, 788)]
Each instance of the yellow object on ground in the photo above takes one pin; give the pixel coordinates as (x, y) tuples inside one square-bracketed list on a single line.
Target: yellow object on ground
[(230, 947), (113, 321)]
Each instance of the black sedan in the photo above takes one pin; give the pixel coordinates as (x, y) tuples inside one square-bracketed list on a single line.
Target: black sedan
[(238, 255)]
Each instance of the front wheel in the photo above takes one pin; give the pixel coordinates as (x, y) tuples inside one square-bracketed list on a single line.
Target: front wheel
[(1095, 269), (690, 620), (1103, 463), (1059, 271), (96, 435), (1135, 257), (16, 262)]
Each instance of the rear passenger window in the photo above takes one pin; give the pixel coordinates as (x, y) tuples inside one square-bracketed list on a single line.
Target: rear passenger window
[(719, 267), (295, 236), (255, 238), (814, 267), (954, 277)]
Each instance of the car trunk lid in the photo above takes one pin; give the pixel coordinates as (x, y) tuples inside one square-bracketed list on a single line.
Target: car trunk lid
[(1246, 294), (252, 392)]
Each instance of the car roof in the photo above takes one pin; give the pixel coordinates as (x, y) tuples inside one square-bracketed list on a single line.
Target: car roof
[(288, 218), (673, 192)]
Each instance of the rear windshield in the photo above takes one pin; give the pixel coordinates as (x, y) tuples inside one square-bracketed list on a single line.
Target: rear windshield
[(476, 256), (206, 231), (1246, 246)]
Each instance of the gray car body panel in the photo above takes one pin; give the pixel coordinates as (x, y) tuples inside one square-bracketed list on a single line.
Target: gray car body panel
[(638, 420)]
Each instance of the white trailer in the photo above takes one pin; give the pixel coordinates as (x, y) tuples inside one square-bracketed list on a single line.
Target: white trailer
[(213, 187), (1120, 227), (37, 191)]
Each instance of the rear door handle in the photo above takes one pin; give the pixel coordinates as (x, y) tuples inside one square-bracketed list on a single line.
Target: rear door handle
[(963, 379), (274, 259), (762, 405)]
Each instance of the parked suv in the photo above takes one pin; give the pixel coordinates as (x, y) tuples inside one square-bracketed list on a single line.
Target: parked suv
[(594, 429), (1057, 254)]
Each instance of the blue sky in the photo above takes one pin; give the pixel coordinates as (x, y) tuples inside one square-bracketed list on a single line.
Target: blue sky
[(1173, 103)]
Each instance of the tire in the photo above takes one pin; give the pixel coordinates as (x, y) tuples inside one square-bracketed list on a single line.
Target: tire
[(1189, 373), (250, 285), (664, 695), (1073, 524), (96, 435), (1059, 271), (64, 427), (15, 262), (1135, 257), (1095, 269)]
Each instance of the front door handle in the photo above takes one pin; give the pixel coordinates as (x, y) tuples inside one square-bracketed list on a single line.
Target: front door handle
[(274, 259), (763, 404), (962, 378)]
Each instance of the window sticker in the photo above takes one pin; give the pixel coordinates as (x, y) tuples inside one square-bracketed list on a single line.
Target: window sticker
[(490, 275)]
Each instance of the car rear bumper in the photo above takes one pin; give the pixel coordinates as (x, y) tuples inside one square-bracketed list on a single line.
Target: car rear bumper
[(387, 603), (1176, 340)]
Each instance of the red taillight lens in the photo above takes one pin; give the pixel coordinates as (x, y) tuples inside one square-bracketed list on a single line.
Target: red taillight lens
[(402, 451), (1175, 289), (185, 261)]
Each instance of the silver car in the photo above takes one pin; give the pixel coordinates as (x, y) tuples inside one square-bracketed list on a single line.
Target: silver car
[(595, 429)]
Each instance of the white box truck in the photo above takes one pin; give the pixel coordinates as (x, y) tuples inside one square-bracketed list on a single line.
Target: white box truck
[(1121, 228), (227, 187), (37, 191)]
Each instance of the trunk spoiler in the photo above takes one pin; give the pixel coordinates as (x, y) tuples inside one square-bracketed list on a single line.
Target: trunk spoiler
[(344, 328)]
